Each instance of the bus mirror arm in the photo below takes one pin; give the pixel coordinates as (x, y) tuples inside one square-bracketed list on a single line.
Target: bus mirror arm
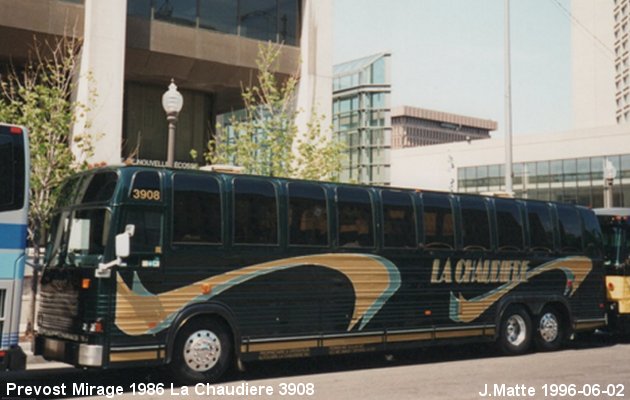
[(105, 270), (123, 244)]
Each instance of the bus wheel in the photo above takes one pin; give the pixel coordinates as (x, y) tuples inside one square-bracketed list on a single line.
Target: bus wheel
[(549, 331), (202, 351), (515, 334)]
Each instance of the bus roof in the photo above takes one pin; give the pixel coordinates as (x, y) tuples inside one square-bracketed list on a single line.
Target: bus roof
[(613, 211)]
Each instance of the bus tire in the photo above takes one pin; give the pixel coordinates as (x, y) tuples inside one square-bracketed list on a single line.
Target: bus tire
[(549, 329), (202, 351), (515, 334)]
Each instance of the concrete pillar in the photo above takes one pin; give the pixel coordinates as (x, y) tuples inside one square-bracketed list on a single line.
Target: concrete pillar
[(315, 87), (102, 73)]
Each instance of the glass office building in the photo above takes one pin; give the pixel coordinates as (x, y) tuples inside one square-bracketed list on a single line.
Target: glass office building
[(267, 20), (361, 118), (144, 136), (573, 180)]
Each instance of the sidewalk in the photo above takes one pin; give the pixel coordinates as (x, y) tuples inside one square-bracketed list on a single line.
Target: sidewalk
[(38, 362)]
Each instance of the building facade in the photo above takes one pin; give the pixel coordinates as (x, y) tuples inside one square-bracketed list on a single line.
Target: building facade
[(132, 49), (593, 63), (622, 59), (566, 166), (361, 117), (412, 127), (563, 166)]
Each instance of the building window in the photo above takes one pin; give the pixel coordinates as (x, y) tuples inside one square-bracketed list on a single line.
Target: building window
[(219, 15), (180, 11), (145, 133), (288, 17), (258, 19), (268, 20), (139, 8)]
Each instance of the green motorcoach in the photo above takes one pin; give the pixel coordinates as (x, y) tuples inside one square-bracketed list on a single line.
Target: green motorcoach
[(201, 270)]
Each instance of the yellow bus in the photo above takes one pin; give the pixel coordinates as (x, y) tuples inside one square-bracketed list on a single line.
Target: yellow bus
[(615, 223)]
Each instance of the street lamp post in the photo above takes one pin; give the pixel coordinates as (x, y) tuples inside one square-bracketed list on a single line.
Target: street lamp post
[(610, 172), (508, 105), (172, 102)]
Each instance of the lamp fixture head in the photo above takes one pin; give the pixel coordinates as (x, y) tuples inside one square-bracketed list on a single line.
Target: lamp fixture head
[(172, 100)]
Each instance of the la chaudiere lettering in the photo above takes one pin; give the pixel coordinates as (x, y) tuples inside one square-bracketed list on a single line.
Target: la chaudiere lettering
[(479, 271), (242, 389)]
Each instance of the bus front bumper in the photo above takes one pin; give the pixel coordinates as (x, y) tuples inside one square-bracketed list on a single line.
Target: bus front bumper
[(12, 359), (78, 354)]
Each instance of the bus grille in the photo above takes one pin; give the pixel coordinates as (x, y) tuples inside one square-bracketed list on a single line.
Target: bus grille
[(59, 306)]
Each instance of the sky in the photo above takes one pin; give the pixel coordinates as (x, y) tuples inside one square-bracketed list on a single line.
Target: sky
[(448, 55)]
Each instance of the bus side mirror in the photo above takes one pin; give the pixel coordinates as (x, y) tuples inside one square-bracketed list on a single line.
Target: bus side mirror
[(123, 241), (123, 245)]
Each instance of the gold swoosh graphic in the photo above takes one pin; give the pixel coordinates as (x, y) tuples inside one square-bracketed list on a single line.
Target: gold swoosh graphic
[(374, 280), (575, 268)]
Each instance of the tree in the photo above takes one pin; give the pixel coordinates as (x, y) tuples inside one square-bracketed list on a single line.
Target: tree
[(39, 98), (266, 141)]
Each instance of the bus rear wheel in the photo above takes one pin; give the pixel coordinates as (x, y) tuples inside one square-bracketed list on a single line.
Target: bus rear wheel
[(202, 351), (515, 331), (549, 330)]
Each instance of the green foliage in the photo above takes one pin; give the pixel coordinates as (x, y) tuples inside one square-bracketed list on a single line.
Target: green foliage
[(318, 156), (39, 98), (265, 140)]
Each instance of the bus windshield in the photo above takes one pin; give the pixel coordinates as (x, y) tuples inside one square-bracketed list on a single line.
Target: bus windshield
[(79, 237), (616, 231), (80, 227)]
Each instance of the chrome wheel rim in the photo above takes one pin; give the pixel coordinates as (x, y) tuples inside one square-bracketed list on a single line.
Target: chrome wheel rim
[(516, 330), (548, 327), (202, 350)]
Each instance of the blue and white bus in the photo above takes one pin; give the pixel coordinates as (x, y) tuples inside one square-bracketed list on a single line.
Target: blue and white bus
[(14, 187)]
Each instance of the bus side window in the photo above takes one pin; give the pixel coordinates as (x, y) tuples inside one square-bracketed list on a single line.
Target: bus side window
[(509, 225), (101, 187), (196, 209), (12, 172), (540, 227), (399, 228), (255, 212), (354, 216), (475, 223), (308, 219), (148, 229), (438, 221), (570, 228), (593, 241)]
